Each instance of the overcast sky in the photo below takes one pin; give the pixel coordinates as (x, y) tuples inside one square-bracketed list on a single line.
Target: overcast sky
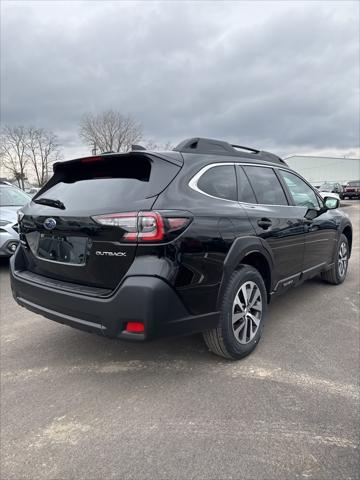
[(282, 76)]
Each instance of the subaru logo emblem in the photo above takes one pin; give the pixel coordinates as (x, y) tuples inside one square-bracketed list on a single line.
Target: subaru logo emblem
[(50, 223)]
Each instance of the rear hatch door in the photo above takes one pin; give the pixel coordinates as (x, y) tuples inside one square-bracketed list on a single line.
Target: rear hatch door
[(60, 236)]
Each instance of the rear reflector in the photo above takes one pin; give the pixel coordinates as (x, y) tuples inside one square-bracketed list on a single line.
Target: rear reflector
[(135, 327)]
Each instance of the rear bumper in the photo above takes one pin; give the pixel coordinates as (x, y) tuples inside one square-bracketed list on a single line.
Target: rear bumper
[(351, 194), (144, 299)]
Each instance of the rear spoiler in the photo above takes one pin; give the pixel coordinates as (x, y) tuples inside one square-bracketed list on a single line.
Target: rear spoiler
[(59, 168), (172, 157)]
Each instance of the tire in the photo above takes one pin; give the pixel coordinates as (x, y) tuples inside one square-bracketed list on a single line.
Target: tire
[(238, 333), (337, 272)]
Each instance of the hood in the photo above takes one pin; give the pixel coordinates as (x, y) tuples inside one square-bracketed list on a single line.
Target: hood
[(9, 213)]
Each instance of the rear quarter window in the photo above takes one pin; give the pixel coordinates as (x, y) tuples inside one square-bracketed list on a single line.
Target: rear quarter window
[(220, 182)]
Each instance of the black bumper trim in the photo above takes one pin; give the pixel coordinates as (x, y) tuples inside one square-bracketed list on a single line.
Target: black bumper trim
[(61, 285), (55, 315)]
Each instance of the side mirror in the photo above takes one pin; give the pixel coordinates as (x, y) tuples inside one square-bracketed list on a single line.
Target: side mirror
[(312, 213), (331, 202)]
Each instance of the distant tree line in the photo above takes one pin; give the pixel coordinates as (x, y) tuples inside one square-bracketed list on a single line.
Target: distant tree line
[(28, 149), (29, 152)]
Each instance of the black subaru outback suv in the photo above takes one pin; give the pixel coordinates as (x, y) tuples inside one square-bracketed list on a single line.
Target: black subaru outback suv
[(198, 239)]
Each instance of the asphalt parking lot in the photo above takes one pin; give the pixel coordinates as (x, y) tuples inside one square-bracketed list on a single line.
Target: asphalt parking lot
[(78, 406)]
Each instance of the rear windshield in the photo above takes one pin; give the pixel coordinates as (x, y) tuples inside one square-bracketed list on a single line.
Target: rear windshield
[(353, 184), (108, 182)]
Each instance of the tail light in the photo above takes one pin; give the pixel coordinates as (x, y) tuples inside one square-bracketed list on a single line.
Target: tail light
[(92, 159), (145, 227)]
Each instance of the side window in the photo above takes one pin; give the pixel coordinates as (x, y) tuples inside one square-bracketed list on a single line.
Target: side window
[(245, 192), (266, 186), (303, 195), (219, 182)]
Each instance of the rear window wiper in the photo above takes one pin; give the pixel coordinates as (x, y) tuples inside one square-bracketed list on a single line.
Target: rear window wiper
[(50, 202)]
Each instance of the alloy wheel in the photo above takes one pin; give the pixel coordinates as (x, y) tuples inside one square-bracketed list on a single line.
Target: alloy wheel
[(342, 259), (246, 312)]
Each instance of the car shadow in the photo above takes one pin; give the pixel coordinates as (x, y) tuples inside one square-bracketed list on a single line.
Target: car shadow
[(74, 346), (62, 345), (67, 346), (4, 263)]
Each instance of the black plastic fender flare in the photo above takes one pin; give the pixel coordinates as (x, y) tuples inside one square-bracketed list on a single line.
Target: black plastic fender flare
[(240, 248)]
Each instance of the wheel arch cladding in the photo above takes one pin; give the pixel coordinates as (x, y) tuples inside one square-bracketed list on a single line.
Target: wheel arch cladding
[(248, 251), (258, 261)]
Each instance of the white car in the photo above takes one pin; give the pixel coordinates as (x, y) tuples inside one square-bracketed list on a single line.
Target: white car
[(11, 199), (329, 194), (32, 191)]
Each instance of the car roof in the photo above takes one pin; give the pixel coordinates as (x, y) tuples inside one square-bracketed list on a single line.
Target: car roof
[(209, 146), (196, 150)]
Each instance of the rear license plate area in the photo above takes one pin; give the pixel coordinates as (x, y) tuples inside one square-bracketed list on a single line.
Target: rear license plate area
[(63, 249)]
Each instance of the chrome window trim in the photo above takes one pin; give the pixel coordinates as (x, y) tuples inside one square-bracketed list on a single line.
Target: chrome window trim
[(194, 186)]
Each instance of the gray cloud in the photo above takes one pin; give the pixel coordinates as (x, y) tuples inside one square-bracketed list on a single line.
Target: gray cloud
[(277, 75)]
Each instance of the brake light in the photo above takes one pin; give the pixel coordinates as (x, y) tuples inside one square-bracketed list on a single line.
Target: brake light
[(92, 159), (144, 226)]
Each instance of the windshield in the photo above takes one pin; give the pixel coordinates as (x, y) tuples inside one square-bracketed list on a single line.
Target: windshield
[(12, 197)]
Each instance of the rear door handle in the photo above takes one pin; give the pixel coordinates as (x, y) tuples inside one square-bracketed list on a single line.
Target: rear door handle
[(264, 223)]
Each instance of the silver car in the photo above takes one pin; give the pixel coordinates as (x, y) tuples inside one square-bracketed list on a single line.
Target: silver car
[(11, 199)]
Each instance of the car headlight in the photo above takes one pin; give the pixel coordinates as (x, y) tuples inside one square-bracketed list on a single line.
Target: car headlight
[(3, 223)]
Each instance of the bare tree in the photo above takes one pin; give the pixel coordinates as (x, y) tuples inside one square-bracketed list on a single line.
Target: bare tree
[(151, 145), (42, 150), (110, 131), (26, 150), (13, 145)]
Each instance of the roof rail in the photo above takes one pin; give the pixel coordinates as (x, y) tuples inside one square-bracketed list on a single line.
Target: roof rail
[(219, 147)]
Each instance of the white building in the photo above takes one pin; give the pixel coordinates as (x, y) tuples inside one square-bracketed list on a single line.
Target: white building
[(318, 170)]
